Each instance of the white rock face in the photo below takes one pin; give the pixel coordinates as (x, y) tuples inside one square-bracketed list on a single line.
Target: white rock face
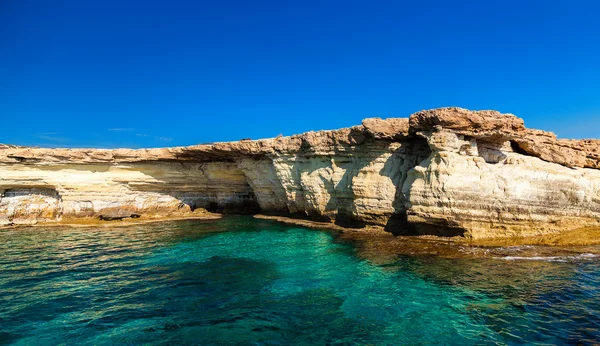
[(518, 195), (29, 205), (361, 185), (88, 190), (444, 172)]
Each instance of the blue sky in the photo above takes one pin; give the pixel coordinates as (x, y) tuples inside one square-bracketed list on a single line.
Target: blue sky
[(152, 74)]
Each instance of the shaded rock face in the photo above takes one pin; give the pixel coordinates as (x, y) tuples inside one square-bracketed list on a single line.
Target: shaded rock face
[(446, 171), (351, 185)]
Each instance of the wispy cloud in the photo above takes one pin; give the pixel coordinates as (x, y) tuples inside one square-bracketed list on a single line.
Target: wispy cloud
[(48, 136), (121, 129), (156, 138), (126, 131)]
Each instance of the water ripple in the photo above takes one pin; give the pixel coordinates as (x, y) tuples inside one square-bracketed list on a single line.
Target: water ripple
[(246, 281)]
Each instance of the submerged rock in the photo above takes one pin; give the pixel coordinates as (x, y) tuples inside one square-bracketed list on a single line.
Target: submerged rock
[(117, 217), (447, 171)]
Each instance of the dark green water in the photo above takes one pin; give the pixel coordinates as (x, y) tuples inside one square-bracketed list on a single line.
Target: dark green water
[(252, 282)]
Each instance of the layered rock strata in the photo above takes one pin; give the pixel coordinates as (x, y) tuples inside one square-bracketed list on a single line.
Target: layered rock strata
[(449, 171)]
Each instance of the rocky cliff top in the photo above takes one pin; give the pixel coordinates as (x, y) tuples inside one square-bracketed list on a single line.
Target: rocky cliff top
[(484, 125)]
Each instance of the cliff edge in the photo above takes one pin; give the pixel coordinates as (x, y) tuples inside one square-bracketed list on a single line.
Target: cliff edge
[(447, 171)]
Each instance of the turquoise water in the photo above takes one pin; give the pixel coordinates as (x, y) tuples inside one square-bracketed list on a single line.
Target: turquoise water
[(253, 282)]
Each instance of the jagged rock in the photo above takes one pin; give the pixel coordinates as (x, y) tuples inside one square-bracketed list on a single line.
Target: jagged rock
[(479, 124), (591, 147), (390, 129), (446, 171), (570, 153)]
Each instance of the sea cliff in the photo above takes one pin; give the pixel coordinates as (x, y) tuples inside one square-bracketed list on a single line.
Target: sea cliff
[(447, 172)]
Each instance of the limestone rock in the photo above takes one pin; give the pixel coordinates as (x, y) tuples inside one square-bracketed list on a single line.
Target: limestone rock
[(570, 153), (390, 129), (447, 171), (457, 190), (591, 147), (479, 124)]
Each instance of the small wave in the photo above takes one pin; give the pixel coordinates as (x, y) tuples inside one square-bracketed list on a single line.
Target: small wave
[(516, 247), (550, 258)]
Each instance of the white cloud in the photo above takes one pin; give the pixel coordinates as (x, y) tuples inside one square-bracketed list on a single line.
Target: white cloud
[(121, 129), (51, 138)]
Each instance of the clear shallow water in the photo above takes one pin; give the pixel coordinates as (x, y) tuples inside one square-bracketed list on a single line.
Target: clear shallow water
[(246, 281)]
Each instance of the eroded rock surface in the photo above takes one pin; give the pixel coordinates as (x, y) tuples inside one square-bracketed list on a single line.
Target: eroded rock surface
[(570, 153), (448, 171), (479, 124)]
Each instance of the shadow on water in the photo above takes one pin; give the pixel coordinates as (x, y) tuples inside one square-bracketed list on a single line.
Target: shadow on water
[(97, 286), (227, 300)]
